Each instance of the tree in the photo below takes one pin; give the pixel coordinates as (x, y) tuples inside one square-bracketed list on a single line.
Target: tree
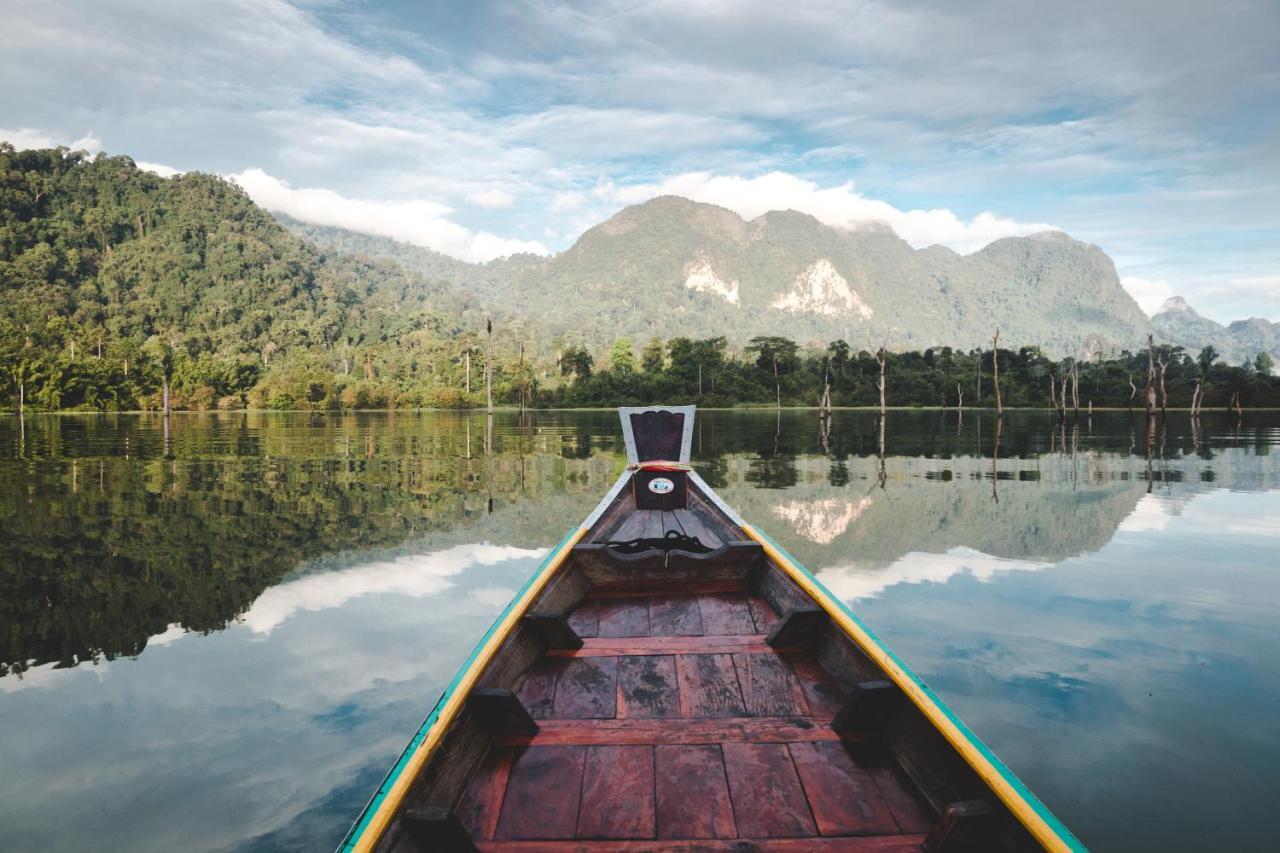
[(776, 353), (1207, 357), (654, 356), (621, 357), (1264, 363), (576, 361)]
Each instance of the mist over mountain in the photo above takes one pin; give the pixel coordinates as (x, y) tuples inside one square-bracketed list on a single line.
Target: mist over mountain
[(675, 266)]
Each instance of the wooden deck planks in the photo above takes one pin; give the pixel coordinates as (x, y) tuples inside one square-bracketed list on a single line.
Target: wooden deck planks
[(768, 800), (769, 687), (653, 525), (762, 614), (692, 792), (844, 798), (585, 619), (696, 524), (538, 690), (647, 688), (632, 527), (617, 793), (726, 613), (543, 793), (675, 616), (587, 689), (676, 727), (823, 693), (482, 802), (709, 686), (869, 844), (623, 617)]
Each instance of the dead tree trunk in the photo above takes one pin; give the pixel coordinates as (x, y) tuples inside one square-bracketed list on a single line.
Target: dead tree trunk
[(977, 398), (466, 358), (995, 370), (959, 397), (1151, 375), (1075, 389), (881, 357), (1196, 394), (1133, 391), (165, 395), (777, 383), (882, 476), (524, 385), (488, 366), (368, 367), (1053, 393), (1164, 395), (22, 398), (995, 455)]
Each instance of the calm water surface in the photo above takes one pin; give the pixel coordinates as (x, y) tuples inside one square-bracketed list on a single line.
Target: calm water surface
[(220, 639)]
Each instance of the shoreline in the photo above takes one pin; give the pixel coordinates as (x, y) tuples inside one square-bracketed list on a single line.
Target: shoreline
[(507, 409)]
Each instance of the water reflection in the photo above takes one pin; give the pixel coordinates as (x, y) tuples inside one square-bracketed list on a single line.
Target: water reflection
[(289, 593)]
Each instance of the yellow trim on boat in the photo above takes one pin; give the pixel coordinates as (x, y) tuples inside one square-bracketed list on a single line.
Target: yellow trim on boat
[(390, 805), (1024, 811)]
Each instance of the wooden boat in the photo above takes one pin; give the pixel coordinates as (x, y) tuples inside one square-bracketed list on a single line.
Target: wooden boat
[(671, 679)]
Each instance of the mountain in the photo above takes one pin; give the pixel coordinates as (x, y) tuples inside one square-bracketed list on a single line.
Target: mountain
[(1178, 323), (671, 266)]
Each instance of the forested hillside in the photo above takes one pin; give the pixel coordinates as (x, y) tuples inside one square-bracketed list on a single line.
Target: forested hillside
[(113, 278), (117, 284)]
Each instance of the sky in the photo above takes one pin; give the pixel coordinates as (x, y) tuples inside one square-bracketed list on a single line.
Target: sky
[(1148, 127)]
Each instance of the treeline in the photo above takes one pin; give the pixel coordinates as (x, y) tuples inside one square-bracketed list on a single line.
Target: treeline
[(120, 290), (772, 370)]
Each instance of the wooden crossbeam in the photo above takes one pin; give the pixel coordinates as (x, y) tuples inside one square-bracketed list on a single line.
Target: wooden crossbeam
[(870, 707)]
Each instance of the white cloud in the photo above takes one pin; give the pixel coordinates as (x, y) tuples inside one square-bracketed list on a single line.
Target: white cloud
[(1150, 513), (849, 583), (159, 168), (1261, 288), (494, 198), (418, 576), (839, 205), (24, 138), (420, 222), (1149, 295), (569, 200)]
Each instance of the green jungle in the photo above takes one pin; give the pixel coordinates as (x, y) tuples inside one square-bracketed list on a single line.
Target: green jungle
[(121, 290)]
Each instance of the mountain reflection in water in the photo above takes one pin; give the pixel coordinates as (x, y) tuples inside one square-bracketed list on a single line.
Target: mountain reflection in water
[(221, 640)]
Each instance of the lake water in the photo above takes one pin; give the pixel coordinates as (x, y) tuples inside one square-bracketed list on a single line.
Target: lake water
[(220, 639)]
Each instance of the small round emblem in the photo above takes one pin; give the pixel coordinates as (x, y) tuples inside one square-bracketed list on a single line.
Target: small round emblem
[(661, 485)]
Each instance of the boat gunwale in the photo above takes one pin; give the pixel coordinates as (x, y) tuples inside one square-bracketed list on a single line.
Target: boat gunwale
[(1022, 803), (390, 795)]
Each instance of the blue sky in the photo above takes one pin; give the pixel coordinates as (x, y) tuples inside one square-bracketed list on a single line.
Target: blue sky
[(1149, 128)]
